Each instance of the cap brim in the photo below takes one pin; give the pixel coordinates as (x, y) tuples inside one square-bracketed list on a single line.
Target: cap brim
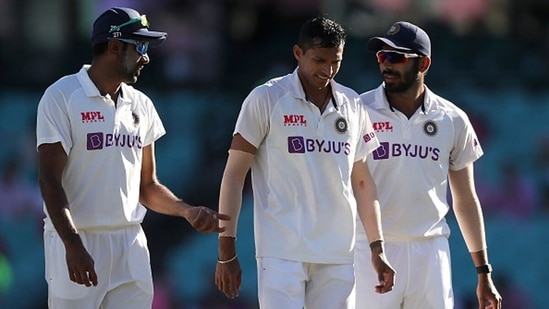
[(154, 38), (376, 43)]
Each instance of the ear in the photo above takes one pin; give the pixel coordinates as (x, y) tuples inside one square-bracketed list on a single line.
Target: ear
[(298, 52), (425, 63), (114, 46)]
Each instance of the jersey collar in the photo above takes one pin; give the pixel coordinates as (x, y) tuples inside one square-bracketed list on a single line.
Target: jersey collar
[(91, 90), (382, 102), (299, 93), (89, 87)]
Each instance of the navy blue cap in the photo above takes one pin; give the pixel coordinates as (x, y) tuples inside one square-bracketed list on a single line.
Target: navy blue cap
[(124, 23), (403, 36)]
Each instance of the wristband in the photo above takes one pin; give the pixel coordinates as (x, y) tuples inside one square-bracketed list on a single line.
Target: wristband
[(227, 261), (484, 269)]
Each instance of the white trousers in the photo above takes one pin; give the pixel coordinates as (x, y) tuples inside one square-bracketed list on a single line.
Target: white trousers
[(122, 264), (423, 275), (292, 284)]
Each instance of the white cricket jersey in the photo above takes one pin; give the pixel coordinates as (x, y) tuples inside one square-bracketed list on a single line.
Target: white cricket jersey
[(304, 208), (411, 166), (104, 146)]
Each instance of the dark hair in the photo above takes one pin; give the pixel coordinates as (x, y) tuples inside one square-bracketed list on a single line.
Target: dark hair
[(321, 32), (99, 49)]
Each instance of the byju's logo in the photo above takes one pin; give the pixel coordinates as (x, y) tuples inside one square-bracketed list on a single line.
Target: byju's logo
[(369, 136), (386, 150), (298, 144), (98, 140), (92, 117), (382, 152), (95, 141)]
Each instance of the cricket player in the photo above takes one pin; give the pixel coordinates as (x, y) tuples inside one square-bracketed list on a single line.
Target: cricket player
[(427, 144), (97, 173), (305, 138)]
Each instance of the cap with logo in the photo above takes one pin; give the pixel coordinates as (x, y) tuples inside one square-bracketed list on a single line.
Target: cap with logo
[(124, 23), (403, 36)]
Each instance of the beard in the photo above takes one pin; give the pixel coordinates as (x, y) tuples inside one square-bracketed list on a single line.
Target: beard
[(129, 69), (403, 81)]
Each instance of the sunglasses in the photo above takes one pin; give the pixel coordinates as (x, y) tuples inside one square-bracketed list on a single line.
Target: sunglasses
[(142, 19), (394, 56), (140, 46)]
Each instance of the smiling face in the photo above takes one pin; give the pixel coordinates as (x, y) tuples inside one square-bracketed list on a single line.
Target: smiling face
[(319, 52), (318, 65)]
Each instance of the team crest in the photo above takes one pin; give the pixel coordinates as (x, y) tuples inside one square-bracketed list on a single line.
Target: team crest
[(135, 119), (430, 128), (341, 125), (394, 29)]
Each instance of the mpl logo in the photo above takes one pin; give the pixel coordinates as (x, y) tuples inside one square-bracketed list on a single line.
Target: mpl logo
[(295, 120), (383, 126), (92, 117)]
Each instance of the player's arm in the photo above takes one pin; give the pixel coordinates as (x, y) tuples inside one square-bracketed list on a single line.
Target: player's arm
[(159, 198), (470, 219), (51, 163), (228, 272), (365, 192)]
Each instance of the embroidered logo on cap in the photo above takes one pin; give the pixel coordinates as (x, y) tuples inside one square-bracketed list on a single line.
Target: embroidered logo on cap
[(394, 29)]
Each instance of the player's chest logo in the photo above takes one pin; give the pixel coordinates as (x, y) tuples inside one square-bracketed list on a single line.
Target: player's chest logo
[(430, 128), (382, 126), (294, 120), (92, 116), (136, 119), (341, 125)]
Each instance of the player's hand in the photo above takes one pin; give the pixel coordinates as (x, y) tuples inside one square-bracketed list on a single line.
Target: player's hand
[(228, 278), (80, 265), (206, 220), (385, 273), (487, 294)]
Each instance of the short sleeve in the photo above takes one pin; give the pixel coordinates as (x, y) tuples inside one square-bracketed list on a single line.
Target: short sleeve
[(52, 120), (467, 148), (253, 119), (368, 141), (156, 129)]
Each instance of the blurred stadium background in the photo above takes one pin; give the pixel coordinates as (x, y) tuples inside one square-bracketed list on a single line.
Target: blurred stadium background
[(489, 57)]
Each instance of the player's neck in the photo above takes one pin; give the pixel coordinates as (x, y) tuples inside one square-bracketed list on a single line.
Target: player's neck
[(406, 103), (319, 97), (103, 84)]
